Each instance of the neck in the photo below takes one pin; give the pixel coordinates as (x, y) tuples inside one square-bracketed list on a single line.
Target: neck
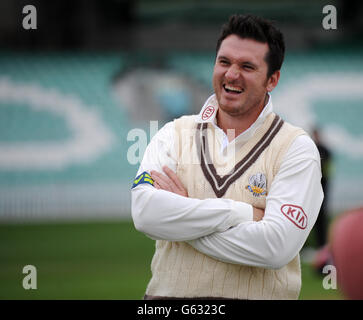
[(234, 125)]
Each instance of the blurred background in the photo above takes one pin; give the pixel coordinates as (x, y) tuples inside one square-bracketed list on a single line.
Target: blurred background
[(73, 91)]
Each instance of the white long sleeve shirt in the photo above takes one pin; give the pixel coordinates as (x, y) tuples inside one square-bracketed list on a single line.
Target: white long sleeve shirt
[(224, 228)]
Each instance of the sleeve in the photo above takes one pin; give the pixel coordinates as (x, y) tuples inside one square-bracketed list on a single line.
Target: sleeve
[(164, 215), (292, 207)]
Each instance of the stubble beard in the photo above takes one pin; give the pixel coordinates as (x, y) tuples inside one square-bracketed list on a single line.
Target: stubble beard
[(244, 108)]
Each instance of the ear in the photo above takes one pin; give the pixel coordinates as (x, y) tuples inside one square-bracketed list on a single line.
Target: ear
[(273, 81)]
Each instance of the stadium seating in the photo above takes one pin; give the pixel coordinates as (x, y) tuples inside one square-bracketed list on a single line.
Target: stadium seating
[(85, 124)]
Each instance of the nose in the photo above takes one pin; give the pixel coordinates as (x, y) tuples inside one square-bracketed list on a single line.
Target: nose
[(232, 73)]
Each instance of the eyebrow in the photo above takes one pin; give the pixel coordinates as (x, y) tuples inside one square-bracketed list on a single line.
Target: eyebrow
[(245, 62), (250, 64), (222, 58)]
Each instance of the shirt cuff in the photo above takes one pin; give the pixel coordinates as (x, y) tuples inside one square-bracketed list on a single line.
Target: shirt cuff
[(240, 212)]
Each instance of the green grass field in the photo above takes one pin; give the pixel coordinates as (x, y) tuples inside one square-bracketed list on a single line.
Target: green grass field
[(91, 261)]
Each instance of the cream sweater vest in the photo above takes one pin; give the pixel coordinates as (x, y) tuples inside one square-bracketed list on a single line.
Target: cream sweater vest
[(178, 270)]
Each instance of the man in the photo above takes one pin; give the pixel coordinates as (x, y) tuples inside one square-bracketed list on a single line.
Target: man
[(323, 255), (321, 226), (230, 195)]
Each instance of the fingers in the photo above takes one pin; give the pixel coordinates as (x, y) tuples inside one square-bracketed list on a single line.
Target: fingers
[(258, 214), (172, 175), (169, 182), (177, 186), (161, 181)]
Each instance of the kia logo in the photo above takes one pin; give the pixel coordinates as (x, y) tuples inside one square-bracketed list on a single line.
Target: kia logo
[(207, 113), (295, 214)]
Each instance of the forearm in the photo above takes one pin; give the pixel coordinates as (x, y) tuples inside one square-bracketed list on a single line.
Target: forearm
[(259, 244), (270, 243), (168, 216), (165, 215), (277, 238)]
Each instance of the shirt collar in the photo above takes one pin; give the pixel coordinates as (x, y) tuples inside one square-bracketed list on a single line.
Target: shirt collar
[(210, 108), (208, 115)]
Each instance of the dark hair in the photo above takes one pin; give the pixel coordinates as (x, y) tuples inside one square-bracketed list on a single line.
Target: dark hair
[(261, 30)]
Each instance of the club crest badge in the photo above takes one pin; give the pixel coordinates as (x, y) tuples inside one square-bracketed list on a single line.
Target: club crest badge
[(257, 185)]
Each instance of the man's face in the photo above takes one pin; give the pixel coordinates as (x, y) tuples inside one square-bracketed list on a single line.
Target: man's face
[(240, 76)]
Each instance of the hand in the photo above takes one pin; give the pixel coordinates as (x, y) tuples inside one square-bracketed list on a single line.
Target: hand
[(170, 182), (258, 214)]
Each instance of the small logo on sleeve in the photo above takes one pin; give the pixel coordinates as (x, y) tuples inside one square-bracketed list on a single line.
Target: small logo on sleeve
[(295, 214), (207, 113), (143, 178)]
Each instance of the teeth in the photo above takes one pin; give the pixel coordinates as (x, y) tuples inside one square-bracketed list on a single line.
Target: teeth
[(234, 89)]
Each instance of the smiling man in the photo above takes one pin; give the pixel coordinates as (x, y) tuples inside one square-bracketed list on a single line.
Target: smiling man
[(231, 224), (240, 81)]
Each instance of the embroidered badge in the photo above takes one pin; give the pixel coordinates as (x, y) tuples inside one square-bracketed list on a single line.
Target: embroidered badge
[(142, 178), (257, 185)]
